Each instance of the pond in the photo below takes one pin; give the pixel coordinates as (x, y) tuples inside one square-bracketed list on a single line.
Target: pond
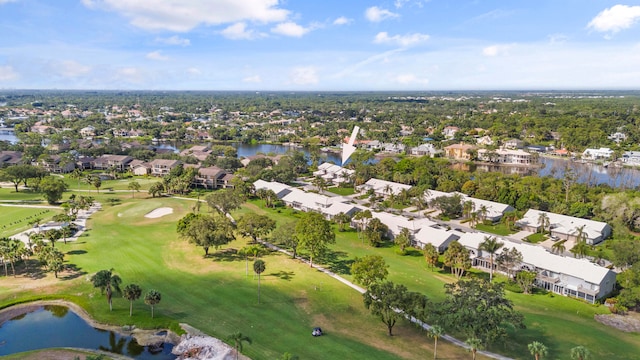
[(58, 326)]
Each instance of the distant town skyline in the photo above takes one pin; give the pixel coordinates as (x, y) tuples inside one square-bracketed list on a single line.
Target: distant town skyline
[(306, 45)]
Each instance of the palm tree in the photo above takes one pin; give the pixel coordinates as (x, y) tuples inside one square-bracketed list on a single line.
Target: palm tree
[(491, 245), (581, 235), (538, 349), (580, 353), (258, 268), (152, 298), (435, 332), (131, 292), (483, 212), (559, 247), (107, 281), (238, 339), (580, 249), (403, 240), (474, 343), (473, 218), (543, 221), (467, 208)]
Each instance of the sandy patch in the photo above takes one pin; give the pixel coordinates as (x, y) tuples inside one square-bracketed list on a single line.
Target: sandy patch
[(159, 212)]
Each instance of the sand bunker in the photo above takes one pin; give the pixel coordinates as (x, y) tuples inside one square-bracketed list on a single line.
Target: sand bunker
[(159, 212)]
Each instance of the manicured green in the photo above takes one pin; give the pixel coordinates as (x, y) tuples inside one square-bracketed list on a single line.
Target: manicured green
[(344, 191), (535, 238), (498, 229)]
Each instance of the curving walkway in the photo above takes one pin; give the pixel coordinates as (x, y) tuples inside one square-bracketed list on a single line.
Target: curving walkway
[(361, 290)]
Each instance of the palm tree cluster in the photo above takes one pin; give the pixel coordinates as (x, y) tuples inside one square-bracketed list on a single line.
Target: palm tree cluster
[(110, 283)]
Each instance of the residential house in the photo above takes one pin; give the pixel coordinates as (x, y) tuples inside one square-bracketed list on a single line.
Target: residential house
[(566, 227), (212, 177), (382, 187), (566, 276), (88, 131), (393, 148), (449, 132), (200, 152), (334, 174), (459, 151), (56, 164), (436, 236), (140, 168), (279, 189), (485, 141), (8, 158), (106, 162), (340, 207), (426, 149), (597, 154), (487, 210), (514, 144), (506, 156), (162, 167), (618, 137), (631, 158)]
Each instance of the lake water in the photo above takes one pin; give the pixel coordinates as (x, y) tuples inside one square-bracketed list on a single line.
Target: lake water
[(57, 326), (9, 136)]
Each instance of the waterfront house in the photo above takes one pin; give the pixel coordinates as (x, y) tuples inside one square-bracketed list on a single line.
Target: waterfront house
[(162, 167), (426, 149), (459, 151), (506, 156), (382, 187), (566, 227), (597, 154)]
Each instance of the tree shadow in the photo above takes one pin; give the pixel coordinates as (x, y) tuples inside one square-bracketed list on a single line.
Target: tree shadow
[(76, 252), (225, 255), (73, 272), (284, 275), (412, 252), (337, 261)]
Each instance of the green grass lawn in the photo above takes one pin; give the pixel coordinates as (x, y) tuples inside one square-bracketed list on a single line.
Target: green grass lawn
[(344, 191), (214, 294), (14, 219), (498, 229), (536, 238)]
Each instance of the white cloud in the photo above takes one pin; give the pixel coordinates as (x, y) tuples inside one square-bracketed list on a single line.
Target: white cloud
[(157, 55), (193, 71), (6, 1), (410, 79), (304, 75), (558, 38), (290, 29), (7, 73), (376, 14), (400, 3), (239, 31), (182, 16), (174, 40), (615, 18), (252, 79), (496, 50), (71, 69), (130, 75), (342, 21), (400, 40)]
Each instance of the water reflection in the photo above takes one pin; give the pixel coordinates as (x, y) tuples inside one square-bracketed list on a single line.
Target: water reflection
[(56, 326)]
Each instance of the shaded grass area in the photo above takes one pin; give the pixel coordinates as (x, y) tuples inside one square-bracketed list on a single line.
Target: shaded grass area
[(535, 238), (344, 191), (214, 294), (498, 229)]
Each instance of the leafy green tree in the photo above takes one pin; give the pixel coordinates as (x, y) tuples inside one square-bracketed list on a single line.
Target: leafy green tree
[(376, 232), (17, 174), (525, 280), (450, 206), (431, 255), (510, 260), (134, 186), (403, 240), (478, 308), (538, 349), (342, 220), (224, 201), (237, 338), (491, 245), (152, 298), (108, 282), (131, 292), (457, 258), (283, 236), (268, 195), (255, 225), (435, 331), (207, 231), (95, 181), (369, 269), (384, 300), (52, 188), (314, 234), (580, 353), (156, 189), (259, 267)]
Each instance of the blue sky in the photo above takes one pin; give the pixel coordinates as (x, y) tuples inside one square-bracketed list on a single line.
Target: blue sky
[(319, 44)]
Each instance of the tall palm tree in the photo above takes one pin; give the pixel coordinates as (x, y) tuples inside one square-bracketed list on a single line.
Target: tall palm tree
[(108, 282), (581, 235), (491, 245), (580, 249), (580, 353), (538, 349), (435, 332), (131, 292), (259, 267), (483, 212), (474, 344), (152, 298), (543, 221), (238, 339), (467, 208), (473, 218)]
